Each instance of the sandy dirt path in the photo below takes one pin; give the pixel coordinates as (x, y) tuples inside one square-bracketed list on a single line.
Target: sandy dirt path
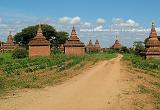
[(98, 88)]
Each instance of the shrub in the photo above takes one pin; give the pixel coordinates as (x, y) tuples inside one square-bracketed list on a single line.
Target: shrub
[(124, 49), (19, 53), (1, 60)]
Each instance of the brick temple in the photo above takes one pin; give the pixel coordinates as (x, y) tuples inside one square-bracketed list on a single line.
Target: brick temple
[(90, 47), (97, 45), (39, 46), (9, 45), (152, 45), (93, 48), (117, 45), (73, 46)]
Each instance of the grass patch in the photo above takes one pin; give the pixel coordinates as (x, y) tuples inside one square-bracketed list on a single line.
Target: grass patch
[(42, 71), (151, 65), (155, 94), (6, 56), (156, 84)]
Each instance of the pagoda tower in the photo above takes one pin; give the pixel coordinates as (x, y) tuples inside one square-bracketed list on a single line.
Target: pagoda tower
[(152, 45), (97, 46), (117, 44), (73, 46), (39, 46), (90, 46), (9, 45), (10, 38)]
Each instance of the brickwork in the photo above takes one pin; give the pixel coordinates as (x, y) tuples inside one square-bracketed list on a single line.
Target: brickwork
[(39, 46), (73, 46), (39, 51)]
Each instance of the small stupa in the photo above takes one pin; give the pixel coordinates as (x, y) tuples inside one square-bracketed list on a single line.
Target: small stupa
[(9, 45), (73, 46), (117, 44), (39, 46), (152, 45), (97, 45), (90, 47)]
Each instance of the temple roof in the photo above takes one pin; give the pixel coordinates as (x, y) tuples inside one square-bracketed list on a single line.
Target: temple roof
[(97, 44), (152, 45), (39, 39), (153, 39), (90, 45), (73, 41), (117, 44), (73, 36), (10, 38)]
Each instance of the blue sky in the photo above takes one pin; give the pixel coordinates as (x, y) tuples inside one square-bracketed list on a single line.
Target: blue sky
[(97, 15)]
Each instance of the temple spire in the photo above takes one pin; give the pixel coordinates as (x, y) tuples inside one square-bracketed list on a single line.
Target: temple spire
[(73, 29), (10, 38), (74, 35), (39, 32), (153, 33)]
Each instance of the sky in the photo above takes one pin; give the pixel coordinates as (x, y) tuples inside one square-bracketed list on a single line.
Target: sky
[(129, 20)]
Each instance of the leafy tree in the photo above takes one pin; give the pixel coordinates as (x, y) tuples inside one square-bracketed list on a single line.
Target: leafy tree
[(125, 49), (48, 31), (60, 38), (139, 46), (19, 53)]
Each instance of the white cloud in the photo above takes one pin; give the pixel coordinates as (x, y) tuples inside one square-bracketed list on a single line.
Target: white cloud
[(0, 20), (124, 23), (157, 29), (64, 20), (69, 20), (75, 20), (100, 21), (87, 24), (98, 28)]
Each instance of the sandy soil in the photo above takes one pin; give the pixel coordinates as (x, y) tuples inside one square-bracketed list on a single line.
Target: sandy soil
[(105, 86)]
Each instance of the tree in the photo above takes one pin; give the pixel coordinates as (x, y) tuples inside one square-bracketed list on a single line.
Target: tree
[(60, 38), (125, 49), (49, 32), (139, 46)]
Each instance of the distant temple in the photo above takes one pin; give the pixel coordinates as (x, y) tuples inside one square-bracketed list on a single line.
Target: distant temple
[(97, 46), (73, 46), (117, 45), (93, 48), (39, 46), (152, 45), (9, 45), (90, 47)]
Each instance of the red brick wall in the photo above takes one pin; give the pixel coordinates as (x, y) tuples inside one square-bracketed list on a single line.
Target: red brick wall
[(74, 50), (39, 51)]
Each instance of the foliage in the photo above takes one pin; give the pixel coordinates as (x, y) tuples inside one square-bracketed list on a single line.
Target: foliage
[(29, 72), (49, 32), (19, 53), (124, 49), (60, 38), (6, 56), (139, 46), (142, 63), (28, 33)]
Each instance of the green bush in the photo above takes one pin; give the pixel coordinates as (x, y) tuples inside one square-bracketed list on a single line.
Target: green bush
[(19, 53), (142, 63), (1, 60)]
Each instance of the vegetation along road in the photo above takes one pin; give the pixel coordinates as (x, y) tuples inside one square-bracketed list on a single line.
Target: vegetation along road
[(107, 85)]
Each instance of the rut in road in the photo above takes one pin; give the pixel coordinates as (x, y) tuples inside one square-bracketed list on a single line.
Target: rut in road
[(97, 88)]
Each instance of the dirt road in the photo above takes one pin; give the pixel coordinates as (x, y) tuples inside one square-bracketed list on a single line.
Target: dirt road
[(101, 87)]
